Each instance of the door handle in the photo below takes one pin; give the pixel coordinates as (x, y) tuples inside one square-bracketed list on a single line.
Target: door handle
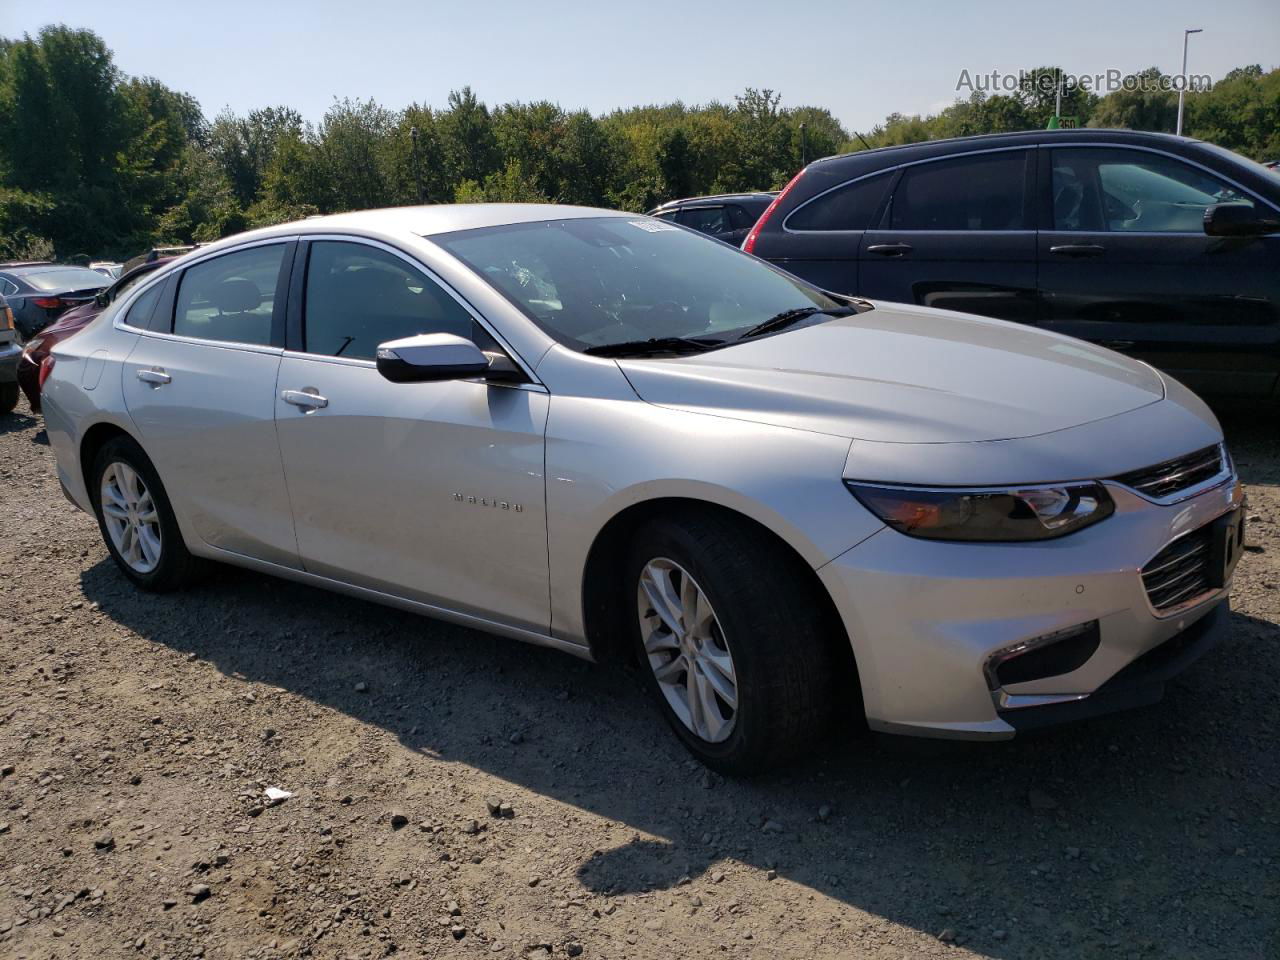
[(154, 376), (1078, 250), (890, 249), (304, 398)]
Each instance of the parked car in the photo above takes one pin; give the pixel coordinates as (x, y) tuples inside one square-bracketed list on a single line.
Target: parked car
[(38, 348), (109, 268), (10, 351), (726, 217), (157, 253), (608, 435), (41, 292), (1100, 234)]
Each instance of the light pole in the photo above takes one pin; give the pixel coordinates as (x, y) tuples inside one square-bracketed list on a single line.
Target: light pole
[(1182, 88)]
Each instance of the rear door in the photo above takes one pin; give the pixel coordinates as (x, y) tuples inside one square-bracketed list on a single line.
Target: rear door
[(200, 387), (1125, 263), (822, 237), (958, 233)]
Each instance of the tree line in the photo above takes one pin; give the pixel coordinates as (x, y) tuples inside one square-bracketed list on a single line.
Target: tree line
[(96, 163)]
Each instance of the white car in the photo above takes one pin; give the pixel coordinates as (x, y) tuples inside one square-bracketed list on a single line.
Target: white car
[(616, 437)]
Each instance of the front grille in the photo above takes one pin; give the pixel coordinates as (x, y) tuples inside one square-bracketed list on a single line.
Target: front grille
[(1179, 572), (1175, 476)]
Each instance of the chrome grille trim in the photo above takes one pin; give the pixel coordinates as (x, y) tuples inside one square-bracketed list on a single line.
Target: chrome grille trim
[(1180, 478), (1178, 575)]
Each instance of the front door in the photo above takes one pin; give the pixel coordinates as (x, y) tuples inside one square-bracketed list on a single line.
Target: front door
[(200, 387), (1127, 264), (958, 233), (429, 491)]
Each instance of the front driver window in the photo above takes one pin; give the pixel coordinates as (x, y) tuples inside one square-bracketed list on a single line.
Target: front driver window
[(1133, 191), (359, 296)]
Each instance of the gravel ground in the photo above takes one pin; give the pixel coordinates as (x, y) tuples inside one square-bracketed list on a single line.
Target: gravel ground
[(138, 733)]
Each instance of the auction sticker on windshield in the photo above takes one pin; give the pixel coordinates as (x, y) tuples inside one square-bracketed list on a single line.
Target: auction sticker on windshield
[(653, 226)]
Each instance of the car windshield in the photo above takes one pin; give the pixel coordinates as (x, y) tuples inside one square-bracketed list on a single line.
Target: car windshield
[(65, 278), (610, 280)]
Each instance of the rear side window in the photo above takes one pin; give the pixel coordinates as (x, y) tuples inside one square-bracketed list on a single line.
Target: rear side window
[(358, 297), (230, 297), (140, 310), (711, 220), (741, 217), (979, 192), (849, 207)]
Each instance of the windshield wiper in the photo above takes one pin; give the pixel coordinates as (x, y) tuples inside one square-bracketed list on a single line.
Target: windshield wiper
[(656, 345), (786, 318)]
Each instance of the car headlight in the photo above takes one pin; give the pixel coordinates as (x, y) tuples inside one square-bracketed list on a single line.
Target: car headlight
[(32, 346), (986, 513)]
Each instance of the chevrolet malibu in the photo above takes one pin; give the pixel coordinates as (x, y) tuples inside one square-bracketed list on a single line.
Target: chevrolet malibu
[(610, 435)]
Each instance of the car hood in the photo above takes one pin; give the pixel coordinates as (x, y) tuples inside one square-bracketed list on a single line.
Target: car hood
[(907, 375)]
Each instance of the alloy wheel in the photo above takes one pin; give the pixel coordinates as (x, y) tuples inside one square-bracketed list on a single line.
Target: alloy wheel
[(131, 517), (686, 650)]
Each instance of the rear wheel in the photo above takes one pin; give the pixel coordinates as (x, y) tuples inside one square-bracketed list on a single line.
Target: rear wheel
[(137, 522), (733, 643), (8, 397)]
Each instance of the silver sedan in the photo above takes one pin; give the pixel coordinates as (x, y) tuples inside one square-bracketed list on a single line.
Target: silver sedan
[(612, 436)]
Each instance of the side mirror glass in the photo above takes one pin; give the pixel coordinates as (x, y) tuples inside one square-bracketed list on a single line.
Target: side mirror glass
[(102, 300), (430, 357), (1237, 220)]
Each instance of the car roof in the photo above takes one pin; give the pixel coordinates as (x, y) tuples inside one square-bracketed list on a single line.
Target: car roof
[(987, 141), (420, 221), (763, 195)]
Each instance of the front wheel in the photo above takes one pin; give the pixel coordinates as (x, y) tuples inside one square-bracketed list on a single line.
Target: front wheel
[(732, 641), (8, 397), (137, 522)]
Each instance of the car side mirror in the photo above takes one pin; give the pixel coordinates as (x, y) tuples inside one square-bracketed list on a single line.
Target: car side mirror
[(502, 369), (1237, 220), (102, 300), (430, 357)]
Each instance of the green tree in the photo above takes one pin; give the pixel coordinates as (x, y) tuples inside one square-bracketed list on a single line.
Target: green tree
[(1141, 107), (468, 144)]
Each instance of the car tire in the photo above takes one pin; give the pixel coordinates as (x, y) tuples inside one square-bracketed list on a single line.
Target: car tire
[(155, 557), (8, 397), (764, 616)]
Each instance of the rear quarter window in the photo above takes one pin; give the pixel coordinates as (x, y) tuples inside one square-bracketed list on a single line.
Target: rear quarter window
[(849, 207), (140, 311)]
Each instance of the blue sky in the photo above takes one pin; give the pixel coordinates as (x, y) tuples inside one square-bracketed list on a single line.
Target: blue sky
[(861, 60)]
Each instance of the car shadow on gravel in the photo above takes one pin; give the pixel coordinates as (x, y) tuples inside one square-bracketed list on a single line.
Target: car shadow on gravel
[(1117, 833), (18, 422)]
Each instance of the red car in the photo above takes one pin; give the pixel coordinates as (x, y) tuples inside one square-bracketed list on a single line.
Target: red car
[(33, 367)]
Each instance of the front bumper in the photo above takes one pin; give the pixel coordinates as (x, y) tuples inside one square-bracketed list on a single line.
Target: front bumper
[(925, 616), (10, 354)]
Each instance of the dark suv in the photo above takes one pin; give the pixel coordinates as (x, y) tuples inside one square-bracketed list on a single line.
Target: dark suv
[(1162, 247), (726, 217)]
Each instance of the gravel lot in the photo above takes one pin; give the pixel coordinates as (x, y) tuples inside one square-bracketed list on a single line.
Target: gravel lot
[(137, 735)]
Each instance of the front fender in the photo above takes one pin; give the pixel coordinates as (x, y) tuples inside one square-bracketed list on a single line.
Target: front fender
[(606, 455)]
